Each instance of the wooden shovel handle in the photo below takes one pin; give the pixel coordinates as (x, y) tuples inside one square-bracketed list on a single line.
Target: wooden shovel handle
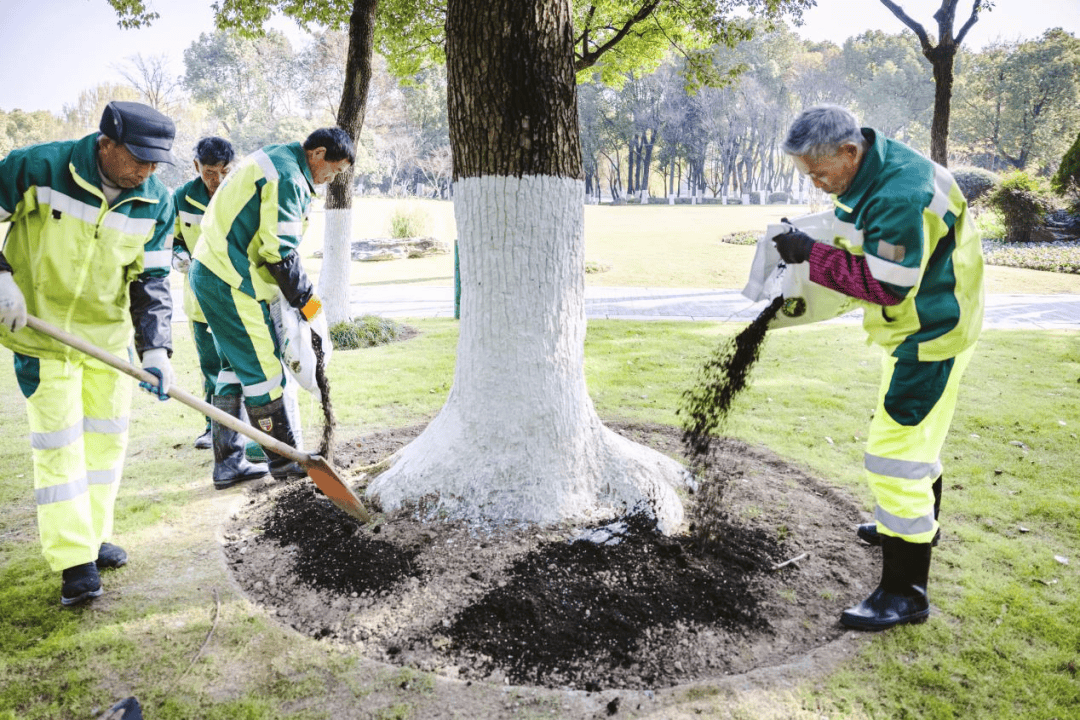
[(222, 417)]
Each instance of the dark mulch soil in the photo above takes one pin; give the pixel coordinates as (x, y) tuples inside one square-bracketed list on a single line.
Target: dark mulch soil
[(612, 606)]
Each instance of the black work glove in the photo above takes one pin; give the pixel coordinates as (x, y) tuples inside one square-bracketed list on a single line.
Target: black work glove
[(794, 246)]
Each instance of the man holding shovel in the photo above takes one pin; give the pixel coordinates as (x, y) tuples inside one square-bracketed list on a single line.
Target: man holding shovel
[(247, 255), (905, 247), (88, 250)]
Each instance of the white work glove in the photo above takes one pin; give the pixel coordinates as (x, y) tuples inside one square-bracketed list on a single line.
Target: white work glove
[(12, 303), (181, 260), (156, 362)]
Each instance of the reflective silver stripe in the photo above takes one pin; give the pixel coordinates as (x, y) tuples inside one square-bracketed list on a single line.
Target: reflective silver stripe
[(190, 218), (105, 426), (67, 204), (139, 227), (849, 232), (904, 526), (228, 377), (60, 493), (103, 477), (943, 182), (291, 228), (262, 388), (56, 439), (903, 469), (266, 165), (885, 271), (157, 259)]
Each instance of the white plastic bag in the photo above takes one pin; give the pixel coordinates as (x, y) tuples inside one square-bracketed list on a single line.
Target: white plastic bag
[(804, 301), (294, 337)]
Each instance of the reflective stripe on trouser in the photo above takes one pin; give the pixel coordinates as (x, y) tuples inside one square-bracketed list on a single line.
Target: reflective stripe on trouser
[(244, 335), (903, 458), (209, 362), (78, 413)]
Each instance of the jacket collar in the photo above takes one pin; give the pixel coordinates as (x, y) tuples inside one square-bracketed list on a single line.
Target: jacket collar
[(197, 194), (84, 166), (301, 160), (872, 163)]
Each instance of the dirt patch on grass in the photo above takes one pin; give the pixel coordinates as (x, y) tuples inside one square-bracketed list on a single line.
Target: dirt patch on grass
[(617, 606)]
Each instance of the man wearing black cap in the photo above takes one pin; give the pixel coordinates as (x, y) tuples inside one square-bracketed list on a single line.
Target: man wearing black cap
[(88, 250)]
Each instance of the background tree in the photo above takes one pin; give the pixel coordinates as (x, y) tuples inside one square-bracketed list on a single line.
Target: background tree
[(1019, 102), (890, 82), (236, 78), (941, 58), (19, 129), (154, 79)]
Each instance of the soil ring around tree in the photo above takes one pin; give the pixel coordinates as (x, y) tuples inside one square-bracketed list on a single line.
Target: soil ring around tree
[(611, 607)]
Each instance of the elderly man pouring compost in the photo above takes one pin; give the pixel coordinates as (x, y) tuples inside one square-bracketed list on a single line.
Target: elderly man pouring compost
[(905, 248)]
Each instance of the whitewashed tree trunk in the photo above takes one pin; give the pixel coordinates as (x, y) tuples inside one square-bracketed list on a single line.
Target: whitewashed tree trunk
[(518, 438), (337, 261)]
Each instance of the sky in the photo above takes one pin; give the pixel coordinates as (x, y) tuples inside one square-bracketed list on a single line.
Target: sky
[(51, 50)]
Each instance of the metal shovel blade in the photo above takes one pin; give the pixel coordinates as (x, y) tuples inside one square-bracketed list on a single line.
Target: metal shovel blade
[(326, 479)]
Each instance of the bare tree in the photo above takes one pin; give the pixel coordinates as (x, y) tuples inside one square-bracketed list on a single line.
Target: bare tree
[(155, 81)]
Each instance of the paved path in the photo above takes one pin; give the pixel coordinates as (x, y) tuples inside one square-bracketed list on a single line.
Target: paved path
[(1036, 312)]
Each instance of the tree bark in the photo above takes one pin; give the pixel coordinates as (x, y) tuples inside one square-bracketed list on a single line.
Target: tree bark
[(337, 233), (941, 57), (519, 438)]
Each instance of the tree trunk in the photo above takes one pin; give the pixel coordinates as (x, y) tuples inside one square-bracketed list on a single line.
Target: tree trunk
[(942, 61), (518, 438), (337, 233)]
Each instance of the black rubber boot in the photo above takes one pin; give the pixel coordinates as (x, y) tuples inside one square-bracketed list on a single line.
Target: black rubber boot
[(111, 556), (230, 465), (205, 441), (868, 532), (81, 583), (273, 421), (126, 709), (901, 596)]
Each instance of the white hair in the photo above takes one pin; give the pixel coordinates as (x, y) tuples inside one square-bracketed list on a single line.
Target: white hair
[(820, 131)]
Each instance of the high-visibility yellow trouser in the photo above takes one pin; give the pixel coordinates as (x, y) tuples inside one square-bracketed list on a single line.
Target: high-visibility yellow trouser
[(915, 408), (244, 336), (78, 412)]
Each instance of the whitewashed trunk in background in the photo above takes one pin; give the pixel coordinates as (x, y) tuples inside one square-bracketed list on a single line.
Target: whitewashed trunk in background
[(337, 261), (519, 439)]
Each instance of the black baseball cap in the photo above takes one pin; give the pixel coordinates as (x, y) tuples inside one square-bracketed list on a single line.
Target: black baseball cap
[(145, 132)]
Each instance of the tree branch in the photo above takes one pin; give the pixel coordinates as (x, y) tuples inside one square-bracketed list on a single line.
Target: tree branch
[(588, 59), (976, 5), (916, 28)]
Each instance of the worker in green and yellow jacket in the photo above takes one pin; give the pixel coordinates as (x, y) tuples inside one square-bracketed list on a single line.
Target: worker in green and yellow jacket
[(213, 160), (246, 255), (906, 248), (88, 250)]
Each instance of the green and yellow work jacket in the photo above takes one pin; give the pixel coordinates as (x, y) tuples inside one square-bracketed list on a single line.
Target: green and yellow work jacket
[(97, 271), (191, 200), (909, 219), (257, 217)]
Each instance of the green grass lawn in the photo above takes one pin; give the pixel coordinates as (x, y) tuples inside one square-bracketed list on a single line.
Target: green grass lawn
[(644, 246), (1003, 641)]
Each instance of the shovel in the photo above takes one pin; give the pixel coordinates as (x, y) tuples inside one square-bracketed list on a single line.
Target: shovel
[(318, 469)]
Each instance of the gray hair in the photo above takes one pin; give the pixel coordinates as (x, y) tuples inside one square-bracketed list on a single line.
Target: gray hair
[(820, 131)]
